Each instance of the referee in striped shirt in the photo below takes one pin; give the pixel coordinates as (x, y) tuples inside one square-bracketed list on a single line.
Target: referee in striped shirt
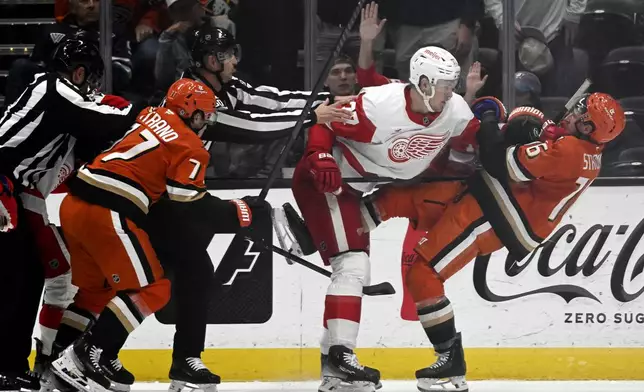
[(54, 122)]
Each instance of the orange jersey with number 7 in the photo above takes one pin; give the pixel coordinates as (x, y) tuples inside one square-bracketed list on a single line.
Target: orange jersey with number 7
[(159, 154), (546, 179)]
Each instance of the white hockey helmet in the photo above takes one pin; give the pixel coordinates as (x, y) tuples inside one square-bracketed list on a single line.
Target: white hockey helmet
[(436, 64)]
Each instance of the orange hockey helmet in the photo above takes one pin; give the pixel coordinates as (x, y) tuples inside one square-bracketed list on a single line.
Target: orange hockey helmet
[(603, 115), (186, 97)]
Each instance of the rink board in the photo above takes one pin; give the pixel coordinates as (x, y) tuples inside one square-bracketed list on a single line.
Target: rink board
[(572, 311)]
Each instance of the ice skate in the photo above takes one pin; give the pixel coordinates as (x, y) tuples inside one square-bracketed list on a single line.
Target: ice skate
[(341, 371), (84, 366), (292, 233), (191, 373), (49, 382), (120, 378), (19, 381), (447, 373)]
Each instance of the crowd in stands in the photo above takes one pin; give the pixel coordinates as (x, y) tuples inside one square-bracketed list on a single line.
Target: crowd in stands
[(558, 44)]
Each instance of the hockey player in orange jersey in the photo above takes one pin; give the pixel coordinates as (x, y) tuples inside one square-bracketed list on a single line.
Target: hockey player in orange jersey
[(529, 181), (117, 272)]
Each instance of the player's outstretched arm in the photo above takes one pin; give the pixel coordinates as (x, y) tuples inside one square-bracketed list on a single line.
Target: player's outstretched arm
[(239, 126), (267, 98), (101, 124)]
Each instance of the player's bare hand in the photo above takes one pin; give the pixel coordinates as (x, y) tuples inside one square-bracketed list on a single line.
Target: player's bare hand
[(474, 82), (142, 32), (332, 113), (370, 26)]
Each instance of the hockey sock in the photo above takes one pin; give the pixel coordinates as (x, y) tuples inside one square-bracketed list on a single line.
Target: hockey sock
[(342, 320), (438, 322), (434, 309), (49, 320), (74, 322), (343, 303), (120, 317)]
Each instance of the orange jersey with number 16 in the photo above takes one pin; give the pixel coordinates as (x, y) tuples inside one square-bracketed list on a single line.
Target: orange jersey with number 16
[(159, 154), (546, 178)]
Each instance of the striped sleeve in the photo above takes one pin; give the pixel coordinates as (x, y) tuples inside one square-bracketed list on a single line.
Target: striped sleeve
[(270, 99), (242, 126), (516, 170), (186, 175), (100, 123)]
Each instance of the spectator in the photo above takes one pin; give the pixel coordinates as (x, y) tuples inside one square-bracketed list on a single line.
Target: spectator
[(150, 18), (82, 16), (222, 12), (558, 24), (332, 15), (446, 23), (342, 80), (173, 56), (527, 89)]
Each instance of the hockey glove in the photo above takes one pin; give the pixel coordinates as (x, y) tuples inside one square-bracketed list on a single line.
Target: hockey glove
[(115, 101), (524, 126), (8, 206), (325, 172), (244, 214), (550, 131), (489, 105)]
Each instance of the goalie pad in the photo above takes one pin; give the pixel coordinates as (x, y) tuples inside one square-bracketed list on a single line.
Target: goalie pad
[(292, 233)]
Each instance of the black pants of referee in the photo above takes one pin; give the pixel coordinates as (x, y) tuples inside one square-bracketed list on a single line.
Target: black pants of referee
[(181, 245), (21, 285)]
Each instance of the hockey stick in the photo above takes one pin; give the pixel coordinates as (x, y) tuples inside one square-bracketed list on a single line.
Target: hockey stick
[(309, 102), (384, 288), (580, 91)]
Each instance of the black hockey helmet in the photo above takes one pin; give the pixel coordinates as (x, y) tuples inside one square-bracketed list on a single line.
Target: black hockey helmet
[(208, 40), (79, 50)]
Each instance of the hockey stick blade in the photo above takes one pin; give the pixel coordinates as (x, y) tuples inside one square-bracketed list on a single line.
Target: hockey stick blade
[(309, 102), (384, 288)]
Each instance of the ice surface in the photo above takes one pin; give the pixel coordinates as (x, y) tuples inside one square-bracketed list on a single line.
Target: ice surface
[(410, 386)]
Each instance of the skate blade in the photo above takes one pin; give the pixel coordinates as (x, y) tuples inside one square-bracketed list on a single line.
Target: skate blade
[(118, 387), (49, 383), (178, 386), (335, 384), (67, 368), (284, 236), (456, 384)]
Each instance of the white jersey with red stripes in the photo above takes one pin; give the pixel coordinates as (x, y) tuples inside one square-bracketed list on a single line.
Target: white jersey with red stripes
[(386, 139)]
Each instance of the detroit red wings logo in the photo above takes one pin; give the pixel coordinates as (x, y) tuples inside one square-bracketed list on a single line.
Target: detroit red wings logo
[(416, 147)]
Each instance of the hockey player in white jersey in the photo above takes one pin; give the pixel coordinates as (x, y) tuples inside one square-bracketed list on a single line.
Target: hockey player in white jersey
[(396, 130)]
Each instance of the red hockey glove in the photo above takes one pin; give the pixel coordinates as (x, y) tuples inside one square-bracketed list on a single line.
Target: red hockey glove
[(115, 101), (325, 172), (8, 206), (550, 131), (244, 213)]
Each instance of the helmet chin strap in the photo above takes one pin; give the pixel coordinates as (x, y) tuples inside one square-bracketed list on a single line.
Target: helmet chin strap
[(426, 97)]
